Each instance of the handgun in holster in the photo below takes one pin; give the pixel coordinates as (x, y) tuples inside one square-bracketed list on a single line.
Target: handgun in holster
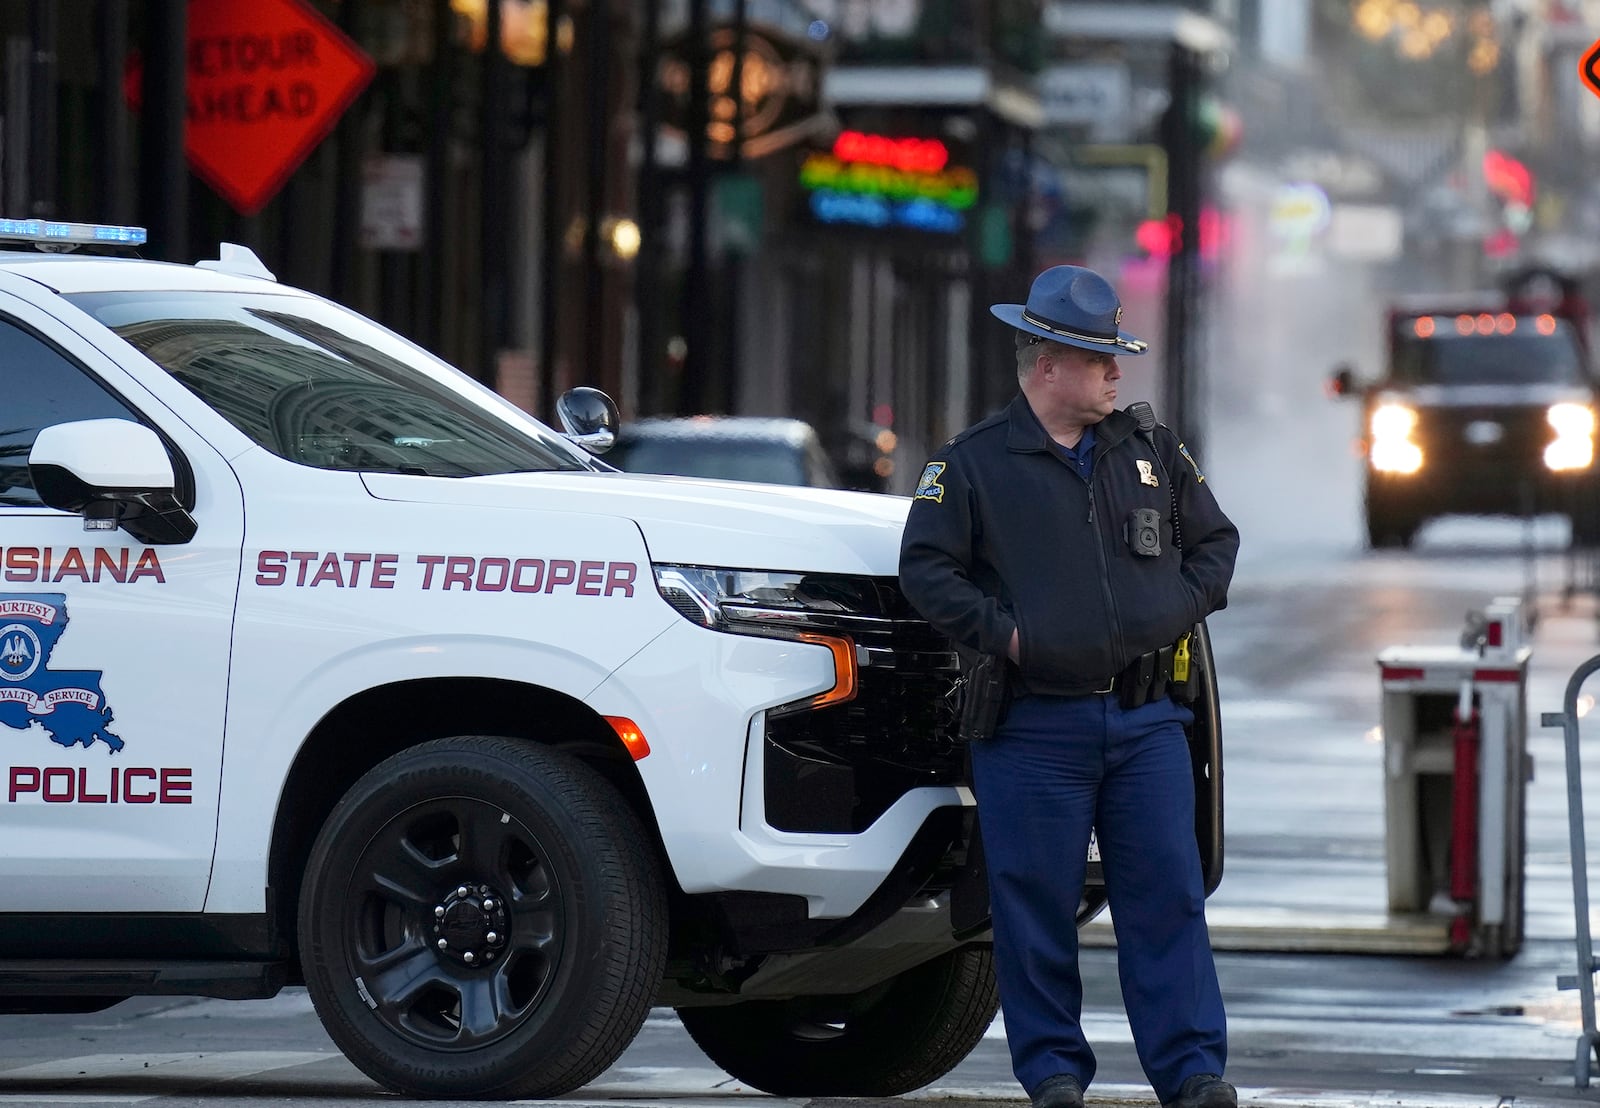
[(985, 696)]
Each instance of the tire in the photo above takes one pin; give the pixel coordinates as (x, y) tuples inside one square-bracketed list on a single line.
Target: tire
[(451, 842), (898, 1036), (1388, 526), (1091, 904)]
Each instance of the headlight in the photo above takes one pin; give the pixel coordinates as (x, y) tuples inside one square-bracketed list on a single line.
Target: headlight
[(805, 607), (1392, 448), (1393, 421), (1573, 448), (1571, 420)]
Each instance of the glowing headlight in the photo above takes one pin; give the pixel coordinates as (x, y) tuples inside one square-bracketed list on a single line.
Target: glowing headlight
[(1573, 448), (1393, 421), (1392, 448), (1568, 453), (1571, 420)]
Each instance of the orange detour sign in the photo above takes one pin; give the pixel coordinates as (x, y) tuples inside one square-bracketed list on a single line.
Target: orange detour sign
[(267, 80), (1589, 68)]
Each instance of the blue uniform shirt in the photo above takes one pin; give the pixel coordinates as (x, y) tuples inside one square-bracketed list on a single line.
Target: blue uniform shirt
[(1080, 457)]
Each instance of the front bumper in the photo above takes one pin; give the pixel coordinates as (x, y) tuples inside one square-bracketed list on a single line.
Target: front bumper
[(701, 699)]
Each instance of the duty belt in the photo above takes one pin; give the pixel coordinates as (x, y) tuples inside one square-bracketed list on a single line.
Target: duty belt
[(1153, 675)]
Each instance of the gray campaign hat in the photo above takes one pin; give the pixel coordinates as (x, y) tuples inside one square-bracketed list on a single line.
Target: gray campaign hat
[(1073, 305)]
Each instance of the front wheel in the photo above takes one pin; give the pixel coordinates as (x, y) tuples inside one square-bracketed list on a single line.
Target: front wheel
[(480, 918), (901, 1035), (1389, 525)]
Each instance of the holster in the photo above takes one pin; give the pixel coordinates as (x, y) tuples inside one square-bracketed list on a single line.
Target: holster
[(985, 696)]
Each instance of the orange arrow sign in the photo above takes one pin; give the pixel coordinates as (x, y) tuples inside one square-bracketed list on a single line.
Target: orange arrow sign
[(1587, 68)]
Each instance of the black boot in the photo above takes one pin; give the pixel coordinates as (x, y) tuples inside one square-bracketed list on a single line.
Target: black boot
[(1204, 1090), (1061, 1091)]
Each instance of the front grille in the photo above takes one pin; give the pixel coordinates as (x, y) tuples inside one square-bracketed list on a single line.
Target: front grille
[(837, 769), (1523, 432)]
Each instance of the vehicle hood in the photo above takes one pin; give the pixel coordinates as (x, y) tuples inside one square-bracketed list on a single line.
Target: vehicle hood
[(693, 521)]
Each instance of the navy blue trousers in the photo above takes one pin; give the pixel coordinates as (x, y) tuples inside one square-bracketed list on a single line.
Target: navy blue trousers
[(1057, 767)]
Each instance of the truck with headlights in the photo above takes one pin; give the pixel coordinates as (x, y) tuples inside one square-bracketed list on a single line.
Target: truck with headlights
[(1486, 406)]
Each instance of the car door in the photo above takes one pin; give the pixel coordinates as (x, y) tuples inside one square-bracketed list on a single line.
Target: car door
[(113, 653)]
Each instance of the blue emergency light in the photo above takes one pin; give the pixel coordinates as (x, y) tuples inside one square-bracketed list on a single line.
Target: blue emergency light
[(55, 231)]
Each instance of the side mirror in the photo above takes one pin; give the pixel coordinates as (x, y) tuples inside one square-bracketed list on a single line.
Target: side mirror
[(114, 473), (1342, 382), (589, 418)]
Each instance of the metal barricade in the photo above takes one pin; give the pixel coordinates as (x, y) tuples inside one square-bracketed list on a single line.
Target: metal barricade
[(1455, 776), (1583, 980)]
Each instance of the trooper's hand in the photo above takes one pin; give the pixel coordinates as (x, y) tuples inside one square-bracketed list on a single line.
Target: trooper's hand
[(1014, 650)]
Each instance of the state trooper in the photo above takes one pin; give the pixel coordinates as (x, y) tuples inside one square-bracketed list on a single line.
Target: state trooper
[(1062, 536)]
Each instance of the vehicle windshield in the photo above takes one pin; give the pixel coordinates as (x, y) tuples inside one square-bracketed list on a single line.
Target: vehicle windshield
[(772, 463), (327, 388), (1521, 350)]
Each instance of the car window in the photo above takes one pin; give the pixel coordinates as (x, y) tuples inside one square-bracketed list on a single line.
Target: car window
[(43, 387), (772, 463), (325, 387), (1532, 350)]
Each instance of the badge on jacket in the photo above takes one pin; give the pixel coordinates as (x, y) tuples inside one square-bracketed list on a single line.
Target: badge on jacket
[(928, 487), (1188, 457), (1147, 473)]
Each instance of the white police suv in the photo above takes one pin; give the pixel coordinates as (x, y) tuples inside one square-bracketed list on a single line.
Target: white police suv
[(321, 663)]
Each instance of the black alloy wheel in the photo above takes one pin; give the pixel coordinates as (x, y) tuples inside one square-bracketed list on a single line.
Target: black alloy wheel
[(480, 917)]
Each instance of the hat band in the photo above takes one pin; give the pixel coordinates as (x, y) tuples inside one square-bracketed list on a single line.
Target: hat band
[(1063, 332), (1135, 345)]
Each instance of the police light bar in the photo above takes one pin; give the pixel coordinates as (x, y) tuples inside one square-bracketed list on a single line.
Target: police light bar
[(54, 231)]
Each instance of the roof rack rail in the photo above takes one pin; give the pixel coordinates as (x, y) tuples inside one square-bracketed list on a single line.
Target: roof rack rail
[(54, 234), (241, 261)]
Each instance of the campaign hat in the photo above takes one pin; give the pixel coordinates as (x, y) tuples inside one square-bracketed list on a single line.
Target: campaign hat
[(1076, 306)]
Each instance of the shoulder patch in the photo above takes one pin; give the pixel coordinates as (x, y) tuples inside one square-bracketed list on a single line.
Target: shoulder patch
[(1188, 457), (928, 487)]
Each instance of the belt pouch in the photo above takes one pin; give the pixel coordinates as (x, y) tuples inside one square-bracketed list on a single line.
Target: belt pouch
[(1163, 673), (1136, 679)]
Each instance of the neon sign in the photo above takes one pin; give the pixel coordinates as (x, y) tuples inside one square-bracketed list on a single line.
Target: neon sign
[(879, 181)]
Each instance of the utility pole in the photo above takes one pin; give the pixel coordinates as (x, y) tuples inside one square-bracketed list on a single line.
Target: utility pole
[(594, 285), (113, 196), (44, 30), (492, 238), (163, 168), (646, 285), (550, 237), (697, 321)]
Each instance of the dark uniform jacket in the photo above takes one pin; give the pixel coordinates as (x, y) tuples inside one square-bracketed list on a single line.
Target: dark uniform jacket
[(1004, 533)]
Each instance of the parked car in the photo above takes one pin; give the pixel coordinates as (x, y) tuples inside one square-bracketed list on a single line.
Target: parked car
[(773, 451)]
